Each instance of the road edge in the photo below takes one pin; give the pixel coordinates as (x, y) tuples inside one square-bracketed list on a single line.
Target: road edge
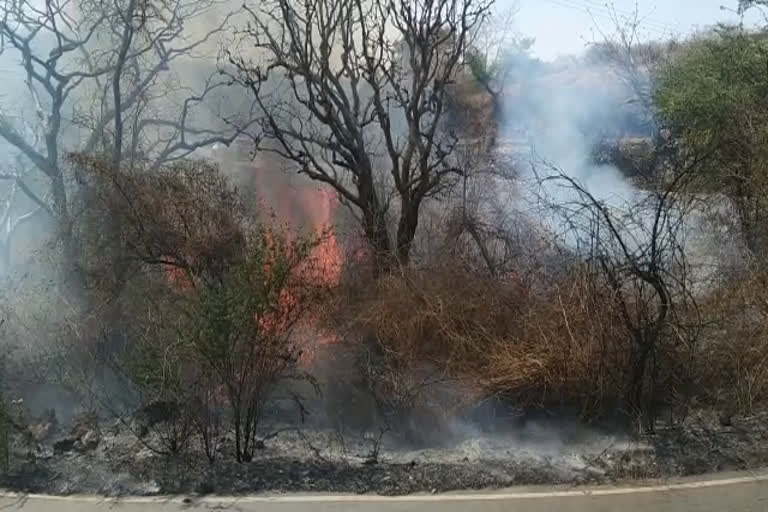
[(501, 495)]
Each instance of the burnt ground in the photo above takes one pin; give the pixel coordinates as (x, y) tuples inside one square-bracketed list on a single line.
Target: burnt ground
[(321, 461)]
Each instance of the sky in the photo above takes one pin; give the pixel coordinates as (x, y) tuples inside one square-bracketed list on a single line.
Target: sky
[(565, 27)]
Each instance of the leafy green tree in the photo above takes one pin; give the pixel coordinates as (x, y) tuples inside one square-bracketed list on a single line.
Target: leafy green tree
[(713, 96)]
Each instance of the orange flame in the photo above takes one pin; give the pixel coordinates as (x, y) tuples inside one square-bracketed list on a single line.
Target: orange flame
[(305, 205), (300, 203)]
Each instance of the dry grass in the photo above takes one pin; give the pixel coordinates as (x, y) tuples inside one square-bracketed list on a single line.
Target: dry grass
[(732, 361), (553, 346)]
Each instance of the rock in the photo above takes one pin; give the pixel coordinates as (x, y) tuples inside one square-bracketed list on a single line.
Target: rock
[(45, 428), (154, 413), (64, 445), (90, 441), (84, 435)]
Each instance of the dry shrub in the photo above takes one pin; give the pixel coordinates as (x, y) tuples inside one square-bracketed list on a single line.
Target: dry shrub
[(204, 300), (569, 349), (185, 217), (557, 343), (731, 363)]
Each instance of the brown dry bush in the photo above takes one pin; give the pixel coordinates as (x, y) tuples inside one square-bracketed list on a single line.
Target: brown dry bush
[(731, 363), (549, 343), (203, 299)]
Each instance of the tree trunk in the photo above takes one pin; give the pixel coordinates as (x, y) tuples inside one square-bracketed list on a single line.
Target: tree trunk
[(406, 230), (493, 128), (74, 279), (236, 419), (646, 339), (375, 226), (376, 232)]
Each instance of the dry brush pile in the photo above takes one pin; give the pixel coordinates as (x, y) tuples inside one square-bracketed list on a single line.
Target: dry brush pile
[(192, 314), (537, 344), (187, 306)]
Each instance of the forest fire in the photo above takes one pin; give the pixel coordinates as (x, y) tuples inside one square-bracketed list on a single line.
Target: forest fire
[(297, 205), (324, 269), (300, 207), (327, 256), (295, 208)]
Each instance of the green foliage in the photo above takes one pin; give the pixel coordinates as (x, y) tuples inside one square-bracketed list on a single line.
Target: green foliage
[(236, 335), (706, 90), (491, 67), (205, 298), (209, 342), (713, 95), (481, 70)]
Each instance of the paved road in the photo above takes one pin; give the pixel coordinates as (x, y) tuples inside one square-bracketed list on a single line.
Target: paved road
[(735, 492)]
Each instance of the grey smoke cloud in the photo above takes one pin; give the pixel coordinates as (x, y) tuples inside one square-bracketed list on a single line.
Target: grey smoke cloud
[(557, 113)]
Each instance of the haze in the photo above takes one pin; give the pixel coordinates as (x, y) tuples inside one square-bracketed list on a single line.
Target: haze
[(566, 27)]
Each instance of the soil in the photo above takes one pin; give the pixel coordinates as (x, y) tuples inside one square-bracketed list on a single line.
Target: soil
[(318, 460)]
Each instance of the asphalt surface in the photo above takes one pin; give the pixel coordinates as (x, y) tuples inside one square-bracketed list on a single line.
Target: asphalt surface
[(744, 492)]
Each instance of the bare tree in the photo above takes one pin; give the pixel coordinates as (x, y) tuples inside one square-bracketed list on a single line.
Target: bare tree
[(102, 77), (353, 92), (473, 209), (633, 59), (745, 5), (636, 247)]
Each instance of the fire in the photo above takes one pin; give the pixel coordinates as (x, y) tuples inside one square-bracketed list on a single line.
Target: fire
[(297, 206), (305, 205), (327, 254), (325, 267), (300, 204), (177, 276)]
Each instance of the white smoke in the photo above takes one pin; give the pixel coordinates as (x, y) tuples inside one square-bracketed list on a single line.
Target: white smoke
[(556, 113)]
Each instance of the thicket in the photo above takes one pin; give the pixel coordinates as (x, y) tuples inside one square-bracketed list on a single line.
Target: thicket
[(186, 304), (189, 305)]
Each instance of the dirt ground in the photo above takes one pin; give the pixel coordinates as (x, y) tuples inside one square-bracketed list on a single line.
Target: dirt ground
[(117, 463)]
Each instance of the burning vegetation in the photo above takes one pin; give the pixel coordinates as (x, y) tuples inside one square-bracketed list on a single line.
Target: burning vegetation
[(408, 262)]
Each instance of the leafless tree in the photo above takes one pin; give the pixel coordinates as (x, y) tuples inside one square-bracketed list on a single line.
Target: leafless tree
[(636, 247), (103, 77), (745, 5), (354, 91), (474, 213), (632, 58)]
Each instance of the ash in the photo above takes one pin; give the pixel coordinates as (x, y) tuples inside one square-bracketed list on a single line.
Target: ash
[(327, 460)]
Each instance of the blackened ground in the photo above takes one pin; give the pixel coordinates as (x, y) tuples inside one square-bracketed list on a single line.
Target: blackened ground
[(321, 461)]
